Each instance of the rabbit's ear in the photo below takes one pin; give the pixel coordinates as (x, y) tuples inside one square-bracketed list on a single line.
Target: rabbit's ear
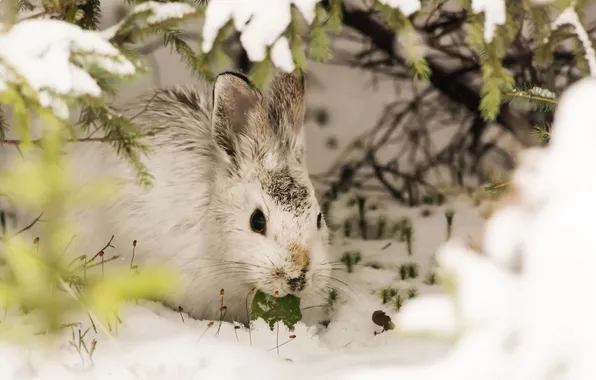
[(236, 106), (286, 108)]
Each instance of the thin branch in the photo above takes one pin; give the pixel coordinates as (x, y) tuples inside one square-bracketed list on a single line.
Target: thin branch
[(29, 226), (102, 139), (108, 245)]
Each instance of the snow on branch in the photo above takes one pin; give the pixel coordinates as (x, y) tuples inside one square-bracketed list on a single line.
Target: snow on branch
[(53, 58), (407, 7), (56, 60), (569, 17), (494, 14), (151, 13), (262, 23)]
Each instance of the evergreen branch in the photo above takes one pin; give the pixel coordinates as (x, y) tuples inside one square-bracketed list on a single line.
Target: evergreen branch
[(409, 41), (122, 133), (215, 57), (134, 27), (53, 9), (542, 131), (91, 14), (445, 78), (335, 16), (319, 42), (295, 38), (188, 56), (260, 71), (570, 17), (496, 80), (523, 95), (3, 125), (498, 188), (534, 98), (103, 139)]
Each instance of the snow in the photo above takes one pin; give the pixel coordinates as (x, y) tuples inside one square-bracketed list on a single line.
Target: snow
[(518, 311), (161, 12), (261, 23), (407, 7), (494, 14), (53, 57), (158, 13), (281, 55), (49, 55), (538, 91), (492, 319), (155, 343), (418, 317), (569, 16), (536, 322)]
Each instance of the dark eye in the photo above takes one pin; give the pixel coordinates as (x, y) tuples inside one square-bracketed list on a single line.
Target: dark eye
[(319, 219), (258, 222)]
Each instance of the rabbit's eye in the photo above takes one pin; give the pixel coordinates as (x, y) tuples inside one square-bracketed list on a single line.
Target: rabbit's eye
[(258, 222), (319, 219)]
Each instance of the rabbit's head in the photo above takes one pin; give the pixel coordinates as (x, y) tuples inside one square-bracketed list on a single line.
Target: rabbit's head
[(263, 204)]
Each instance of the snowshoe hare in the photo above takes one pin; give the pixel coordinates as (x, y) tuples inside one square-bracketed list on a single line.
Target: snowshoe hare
[(231, 206)]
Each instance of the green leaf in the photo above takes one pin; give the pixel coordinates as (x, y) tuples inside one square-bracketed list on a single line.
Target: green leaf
[(273, 309)]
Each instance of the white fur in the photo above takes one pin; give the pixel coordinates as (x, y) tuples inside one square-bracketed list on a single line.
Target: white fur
[(195, 218)]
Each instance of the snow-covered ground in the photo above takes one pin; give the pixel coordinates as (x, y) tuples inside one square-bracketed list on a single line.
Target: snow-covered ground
[(155, 342), (521, 311)]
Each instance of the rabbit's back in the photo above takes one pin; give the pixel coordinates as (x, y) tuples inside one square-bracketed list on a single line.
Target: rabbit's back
[(164, 218)]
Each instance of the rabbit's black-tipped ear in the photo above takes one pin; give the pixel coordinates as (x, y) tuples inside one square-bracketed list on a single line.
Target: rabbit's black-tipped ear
[(235, 102), (286, 106)]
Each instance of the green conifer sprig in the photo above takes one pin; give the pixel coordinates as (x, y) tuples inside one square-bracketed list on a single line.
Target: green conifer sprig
[(542, 132), (335, 16), (406, 34), (260, 71), (319, 46), (533, 98), (216, 57), (539, 27), (499, 185), (91, 10), (3, 125), (495, 78), (294, 36), (120, 132), (134, 27)]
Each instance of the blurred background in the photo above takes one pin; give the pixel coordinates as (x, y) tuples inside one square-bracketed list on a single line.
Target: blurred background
[(371, 127)]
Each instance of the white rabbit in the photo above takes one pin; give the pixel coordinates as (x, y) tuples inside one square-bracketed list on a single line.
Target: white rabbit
[(231, 206)]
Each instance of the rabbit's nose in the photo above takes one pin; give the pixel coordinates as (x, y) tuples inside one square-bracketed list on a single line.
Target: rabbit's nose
[(297, 284)]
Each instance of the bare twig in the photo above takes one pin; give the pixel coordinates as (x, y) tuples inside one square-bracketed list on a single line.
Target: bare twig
[(29, 226), (101, 251)]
